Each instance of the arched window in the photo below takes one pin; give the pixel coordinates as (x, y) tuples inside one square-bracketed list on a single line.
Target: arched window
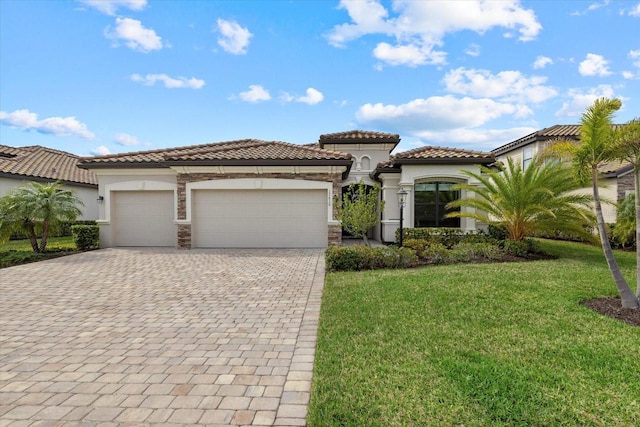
[(365, 163), (430, 200)]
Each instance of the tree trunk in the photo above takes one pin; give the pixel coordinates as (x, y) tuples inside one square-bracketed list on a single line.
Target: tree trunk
[(636, 176), (366, 240), (45, 235), (627, 296), (32, 235)]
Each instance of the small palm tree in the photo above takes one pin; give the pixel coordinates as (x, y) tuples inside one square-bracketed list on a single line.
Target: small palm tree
[(627, 147), (597, 145), (525, 202), (35, 209)]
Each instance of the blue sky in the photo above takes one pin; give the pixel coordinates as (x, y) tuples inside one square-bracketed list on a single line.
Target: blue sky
[(97, 76)]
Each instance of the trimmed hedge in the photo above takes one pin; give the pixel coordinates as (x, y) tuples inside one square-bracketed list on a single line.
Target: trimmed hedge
[(86, 236), (448, 237), (356, 258)]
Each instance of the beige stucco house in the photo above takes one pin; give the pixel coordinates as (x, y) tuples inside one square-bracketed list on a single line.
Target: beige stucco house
[(616, 178), (252, 193), (21, 165)]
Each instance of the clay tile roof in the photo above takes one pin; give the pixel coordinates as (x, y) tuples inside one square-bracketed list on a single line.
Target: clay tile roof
[(44, 163), (361, 135), (248, 151), (429, 154), (553, 132), (614, 168), (262, 151)]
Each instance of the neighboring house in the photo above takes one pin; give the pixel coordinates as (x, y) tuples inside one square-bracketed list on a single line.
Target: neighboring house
[(21, 165), (616, 178), (252, 193)]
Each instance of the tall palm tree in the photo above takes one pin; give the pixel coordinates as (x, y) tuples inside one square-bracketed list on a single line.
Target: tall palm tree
[(524, 202), (37, 208), (597, 145), (627, 147)]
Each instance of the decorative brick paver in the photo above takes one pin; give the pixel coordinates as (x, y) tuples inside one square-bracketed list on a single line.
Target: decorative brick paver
[(144, 336)]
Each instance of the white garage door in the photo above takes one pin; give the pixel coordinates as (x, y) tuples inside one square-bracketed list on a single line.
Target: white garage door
[(143, 218), (259, 219)]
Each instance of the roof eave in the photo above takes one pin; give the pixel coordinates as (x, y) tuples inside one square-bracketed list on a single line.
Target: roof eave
[(45, 179), (450, 161)]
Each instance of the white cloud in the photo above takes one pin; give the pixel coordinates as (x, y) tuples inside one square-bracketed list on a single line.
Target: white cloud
[(312, 97), (126, 140), (506, 85), (420, 26), (542, 62), (438, 112), (635, 10), (134, 35), (411, 54), (483, 139), (579, 100), (234, 38), (169, 82), (591, 8), (594, 65), (59, 126), (110, 7), (100, 151), (634, 55), (473, 50), (255, 94)]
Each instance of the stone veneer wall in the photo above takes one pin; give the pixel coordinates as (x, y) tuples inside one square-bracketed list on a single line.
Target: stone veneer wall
[(625, 183), (334, 232)]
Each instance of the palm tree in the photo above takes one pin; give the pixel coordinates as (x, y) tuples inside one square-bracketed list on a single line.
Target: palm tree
[(627, 147), (525, 202), (37, 208), (597, 145)]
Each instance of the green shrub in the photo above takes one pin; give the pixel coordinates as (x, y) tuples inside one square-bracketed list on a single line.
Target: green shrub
[(497, 232), (465, 252), (86, 236), (446, 236), (521, 249), (356, 258), (436, 253)]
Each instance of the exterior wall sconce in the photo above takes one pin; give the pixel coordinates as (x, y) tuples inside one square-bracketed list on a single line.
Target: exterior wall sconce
[(100, 199)]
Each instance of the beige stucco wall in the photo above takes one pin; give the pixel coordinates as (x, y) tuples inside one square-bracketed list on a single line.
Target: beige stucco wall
[(87, 195)]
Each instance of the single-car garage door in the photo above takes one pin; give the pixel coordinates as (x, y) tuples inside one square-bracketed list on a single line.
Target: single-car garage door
[(143, 218), (259, 219)]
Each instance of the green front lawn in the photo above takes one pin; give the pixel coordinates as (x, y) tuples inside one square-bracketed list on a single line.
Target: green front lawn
[(16, 252), (477, 345)]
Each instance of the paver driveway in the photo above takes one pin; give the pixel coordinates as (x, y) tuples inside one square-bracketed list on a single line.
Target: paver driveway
[(146, 336)]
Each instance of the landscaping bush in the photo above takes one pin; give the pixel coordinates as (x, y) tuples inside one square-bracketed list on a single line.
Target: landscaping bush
[(521, 249), (86, 236), (446, 236), (356, 258), (465, 252)]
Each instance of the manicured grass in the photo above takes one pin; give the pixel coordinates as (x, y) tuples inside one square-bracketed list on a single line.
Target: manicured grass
[(16, 252), (477, 345)]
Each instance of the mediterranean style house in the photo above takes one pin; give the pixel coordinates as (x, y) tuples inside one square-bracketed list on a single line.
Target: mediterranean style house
[(252, 193), (259, 194), (21, 165)]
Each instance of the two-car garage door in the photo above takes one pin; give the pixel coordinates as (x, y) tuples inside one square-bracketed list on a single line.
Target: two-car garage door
[(259, 218), (224, 218)]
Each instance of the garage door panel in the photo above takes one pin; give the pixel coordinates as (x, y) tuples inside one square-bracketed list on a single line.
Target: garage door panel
[(259, 218), (143, 218)]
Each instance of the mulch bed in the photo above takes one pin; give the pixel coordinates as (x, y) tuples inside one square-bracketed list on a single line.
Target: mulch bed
[(611, 307)]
